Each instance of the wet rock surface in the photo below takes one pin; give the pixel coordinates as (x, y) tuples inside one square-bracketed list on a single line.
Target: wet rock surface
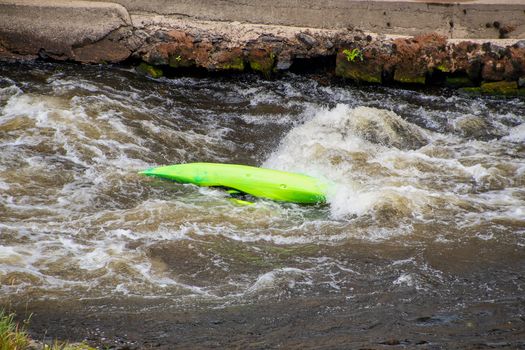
[(328, 323)]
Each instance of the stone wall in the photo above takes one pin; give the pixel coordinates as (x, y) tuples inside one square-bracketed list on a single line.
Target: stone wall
[(102, 32)]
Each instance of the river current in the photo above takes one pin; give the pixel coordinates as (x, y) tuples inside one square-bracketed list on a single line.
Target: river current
[(425, 228)]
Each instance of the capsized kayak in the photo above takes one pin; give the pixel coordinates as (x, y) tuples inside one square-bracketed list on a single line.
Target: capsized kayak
[(258, 182)]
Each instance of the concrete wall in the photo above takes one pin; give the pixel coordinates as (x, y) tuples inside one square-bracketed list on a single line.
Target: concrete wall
[(26, 26), (173, 33), (455, 19)]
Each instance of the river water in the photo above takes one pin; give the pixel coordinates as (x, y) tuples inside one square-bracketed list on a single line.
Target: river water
[(422, 242)]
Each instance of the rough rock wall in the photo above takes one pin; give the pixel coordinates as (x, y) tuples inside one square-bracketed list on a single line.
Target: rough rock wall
[(105, 32)]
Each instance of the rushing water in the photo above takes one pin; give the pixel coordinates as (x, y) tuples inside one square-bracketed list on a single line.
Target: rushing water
[(427, 220)]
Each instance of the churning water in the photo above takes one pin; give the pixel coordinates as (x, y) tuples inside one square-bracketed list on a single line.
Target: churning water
[(427, 215)]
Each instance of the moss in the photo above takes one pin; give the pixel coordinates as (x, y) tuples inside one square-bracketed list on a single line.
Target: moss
[(264, 68), (443, 68), (257, 66), (369, 78), (147, 69), (361, 71), (505, 88), (458, 81), (500, 88), (180, 61), (236, 64), (263, 64), (409, 79), (359, 75)]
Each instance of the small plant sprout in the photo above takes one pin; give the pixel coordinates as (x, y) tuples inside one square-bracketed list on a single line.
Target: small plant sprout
[(352, 55)]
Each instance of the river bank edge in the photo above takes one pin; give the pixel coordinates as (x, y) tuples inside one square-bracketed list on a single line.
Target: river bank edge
[(90, 32)]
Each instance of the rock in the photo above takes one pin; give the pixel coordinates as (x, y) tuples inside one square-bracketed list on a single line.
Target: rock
[(70, 30), (500, 87), (270, 38), (409, 77), (147, 69), (414, 57), (520, 44), (306, 39), (261, 60), (490, 47), (457, 81), (515, 63), (229, 59), (521, 82), (391, 341), (107, 34), (493, 69), (104, 51), (284, 61), (506, 88), (367, 68), (463, 57)]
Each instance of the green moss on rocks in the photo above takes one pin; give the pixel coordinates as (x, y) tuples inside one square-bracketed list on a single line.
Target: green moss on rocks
[(147, 69), (358, 75), (443, 68), (409, 78), (263, 67), (359, 69), (262, 61), (369, 78), (231, 59), (498, 88), (237, 64), (179, 62), (458, 81), (506, 88)]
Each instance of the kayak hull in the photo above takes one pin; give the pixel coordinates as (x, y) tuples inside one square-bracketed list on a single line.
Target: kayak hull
[(258, 182)]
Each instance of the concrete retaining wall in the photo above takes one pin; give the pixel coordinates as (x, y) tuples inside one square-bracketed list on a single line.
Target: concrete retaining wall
[(454, 19), (220, 36), (56, 28)]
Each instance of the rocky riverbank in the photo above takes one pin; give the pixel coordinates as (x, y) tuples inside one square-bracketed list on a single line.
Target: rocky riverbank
[(100, 32)]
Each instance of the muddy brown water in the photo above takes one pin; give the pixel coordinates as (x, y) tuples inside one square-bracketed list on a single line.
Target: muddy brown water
[(421, 244)]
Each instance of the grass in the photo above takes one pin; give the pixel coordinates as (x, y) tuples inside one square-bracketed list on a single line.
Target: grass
[(13, 336)]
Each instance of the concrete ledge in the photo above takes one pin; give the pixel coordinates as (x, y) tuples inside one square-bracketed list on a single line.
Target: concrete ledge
[(487, 19), (29, 26)]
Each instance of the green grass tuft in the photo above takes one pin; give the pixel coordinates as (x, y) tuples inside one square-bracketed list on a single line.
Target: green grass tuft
[(13, 336)]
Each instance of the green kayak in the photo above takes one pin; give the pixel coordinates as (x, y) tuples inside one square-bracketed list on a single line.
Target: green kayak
[(258, 182)]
